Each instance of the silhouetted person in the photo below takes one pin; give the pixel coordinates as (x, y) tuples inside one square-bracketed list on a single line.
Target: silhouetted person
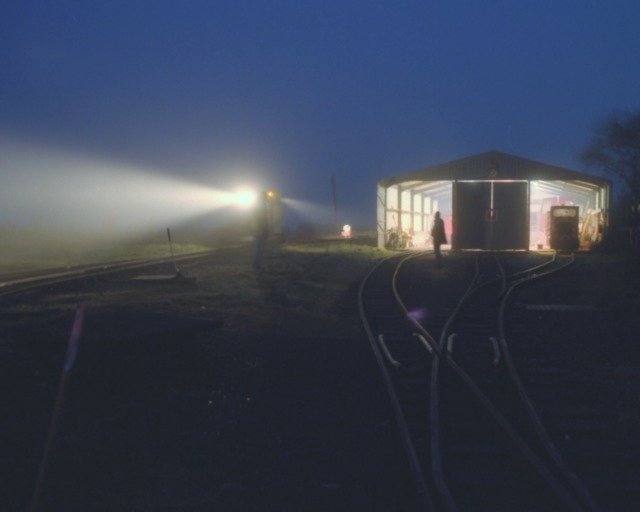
[(439, 237)]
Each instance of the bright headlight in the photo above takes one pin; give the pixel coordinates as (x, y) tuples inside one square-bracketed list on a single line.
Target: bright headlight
[(245, 198)]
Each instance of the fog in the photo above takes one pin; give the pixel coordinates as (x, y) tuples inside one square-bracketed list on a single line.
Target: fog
[(58, 207), (54, 203), (57, 190)]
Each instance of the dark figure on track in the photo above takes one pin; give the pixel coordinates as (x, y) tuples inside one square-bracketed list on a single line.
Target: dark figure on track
[(439, 237)]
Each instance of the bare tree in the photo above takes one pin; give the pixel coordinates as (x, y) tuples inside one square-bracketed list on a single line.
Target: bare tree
[(615, 149)]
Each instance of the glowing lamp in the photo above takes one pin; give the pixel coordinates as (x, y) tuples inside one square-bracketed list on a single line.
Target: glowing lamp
[(346, 231), (245, 198)]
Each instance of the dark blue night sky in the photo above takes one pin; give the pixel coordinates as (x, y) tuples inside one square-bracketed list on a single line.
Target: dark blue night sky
[(297, 90)]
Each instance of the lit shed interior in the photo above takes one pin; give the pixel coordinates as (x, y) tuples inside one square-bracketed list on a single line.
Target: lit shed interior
[(488, 201)]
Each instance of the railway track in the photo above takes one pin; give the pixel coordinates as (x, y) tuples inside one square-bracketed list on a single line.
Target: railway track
[(23, 288), (24, 282), (472, 435)]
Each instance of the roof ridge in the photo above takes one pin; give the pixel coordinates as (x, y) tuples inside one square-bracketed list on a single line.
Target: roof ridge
[(513, 166)]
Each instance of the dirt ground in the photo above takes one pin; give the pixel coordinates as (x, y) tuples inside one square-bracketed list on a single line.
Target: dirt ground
[(250, 389)]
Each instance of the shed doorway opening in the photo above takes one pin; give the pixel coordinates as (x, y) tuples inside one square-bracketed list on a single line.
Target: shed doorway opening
[(590, 200), (406, 212)]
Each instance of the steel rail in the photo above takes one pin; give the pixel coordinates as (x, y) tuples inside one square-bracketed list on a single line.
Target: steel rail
[(424, 495), (570, 477), (28, 284), (519, 443), (31, 275), (436, 350), (436, 456), (537, 267)]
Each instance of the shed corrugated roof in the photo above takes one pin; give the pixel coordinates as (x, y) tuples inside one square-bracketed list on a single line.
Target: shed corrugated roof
[(494, 165)]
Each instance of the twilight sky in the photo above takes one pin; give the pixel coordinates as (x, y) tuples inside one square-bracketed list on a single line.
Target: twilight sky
[(287, 93)]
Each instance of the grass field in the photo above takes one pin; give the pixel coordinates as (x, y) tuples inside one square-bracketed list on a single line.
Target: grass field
[(26, 254), (299, 282), (248, 384)]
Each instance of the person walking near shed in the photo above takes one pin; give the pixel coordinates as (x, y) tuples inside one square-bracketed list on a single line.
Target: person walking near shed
[(439, 237)]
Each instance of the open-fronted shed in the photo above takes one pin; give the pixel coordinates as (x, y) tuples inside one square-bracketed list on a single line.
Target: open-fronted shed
[(492, 200)]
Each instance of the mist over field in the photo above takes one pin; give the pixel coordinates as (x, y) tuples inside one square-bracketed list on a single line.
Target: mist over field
[(59, 209)]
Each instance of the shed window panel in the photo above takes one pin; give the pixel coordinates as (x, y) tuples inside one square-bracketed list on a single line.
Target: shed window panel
[(417, 222), (392, 220), (406, 221), (406, 200), (392, 198), (417, 203)]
